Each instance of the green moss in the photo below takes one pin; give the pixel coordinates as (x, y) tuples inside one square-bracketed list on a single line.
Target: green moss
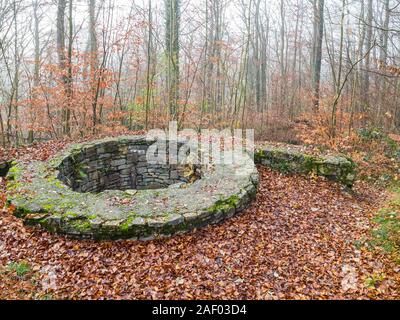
[(81, 225), (13, 185), (55, 162), (374, 280), (67, 205), (157, 194), (21, 211), (15, 171), (171, 228), (55, 182), (125, 226), (288, 161), (71, 214), (225, 205), (386, 235), (127, 223), (75, 152), (77, 166), (309, 164), (45, 223), (283, 167), (20, 268), (78, 216), (79, 171), (259, 155), (48, 207)]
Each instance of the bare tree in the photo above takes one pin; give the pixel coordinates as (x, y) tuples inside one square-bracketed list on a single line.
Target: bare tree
[(172, 21), (318, 7)]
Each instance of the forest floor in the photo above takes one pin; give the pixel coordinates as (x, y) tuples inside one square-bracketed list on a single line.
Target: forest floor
[(303, 238)]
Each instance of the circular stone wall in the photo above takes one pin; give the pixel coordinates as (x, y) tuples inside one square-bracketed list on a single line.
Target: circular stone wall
[(120, 165), (108, 189)]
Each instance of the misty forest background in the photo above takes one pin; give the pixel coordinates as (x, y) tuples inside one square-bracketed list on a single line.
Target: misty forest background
[(320, 70), (324, 75)]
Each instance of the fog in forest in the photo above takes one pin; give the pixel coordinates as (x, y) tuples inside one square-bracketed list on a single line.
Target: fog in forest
[(73, 67)]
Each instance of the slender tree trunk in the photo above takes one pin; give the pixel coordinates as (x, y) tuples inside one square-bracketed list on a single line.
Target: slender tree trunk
[(172, 54), (368, 44), (16, 74), (94, 61), (149, 61), (338, 85), (383, 60), (282, 48), (36, 74), (317, 50), (62, 59)]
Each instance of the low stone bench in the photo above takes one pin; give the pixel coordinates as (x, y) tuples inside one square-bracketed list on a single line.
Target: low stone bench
[(293, 160)]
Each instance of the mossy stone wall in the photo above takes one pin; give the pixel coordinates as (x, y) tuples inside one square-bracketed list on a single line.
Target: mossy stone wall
[(119, 165), (287, 160), (40, 198)]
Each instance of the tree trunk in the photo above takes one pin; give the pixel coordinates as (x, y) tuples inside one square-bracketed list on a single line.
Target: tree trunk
[(317, 50), (149, 61), (368, 44), (94, 63), (172, 54)]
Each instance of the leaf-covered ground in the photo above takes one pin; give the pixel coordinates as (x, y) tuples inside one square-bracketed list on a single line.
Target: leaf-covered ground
[(303, 238)]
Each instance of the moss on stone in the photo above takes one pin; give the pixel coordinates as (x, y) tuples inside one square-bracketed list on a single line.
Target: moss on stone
[(82, 225), (15, 171), (48, 207), (71, 214), (68, 212), (225, 205), (21, 211), (309, 163), (128, 222), (13, 185), (65, 205), (288, 161)]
